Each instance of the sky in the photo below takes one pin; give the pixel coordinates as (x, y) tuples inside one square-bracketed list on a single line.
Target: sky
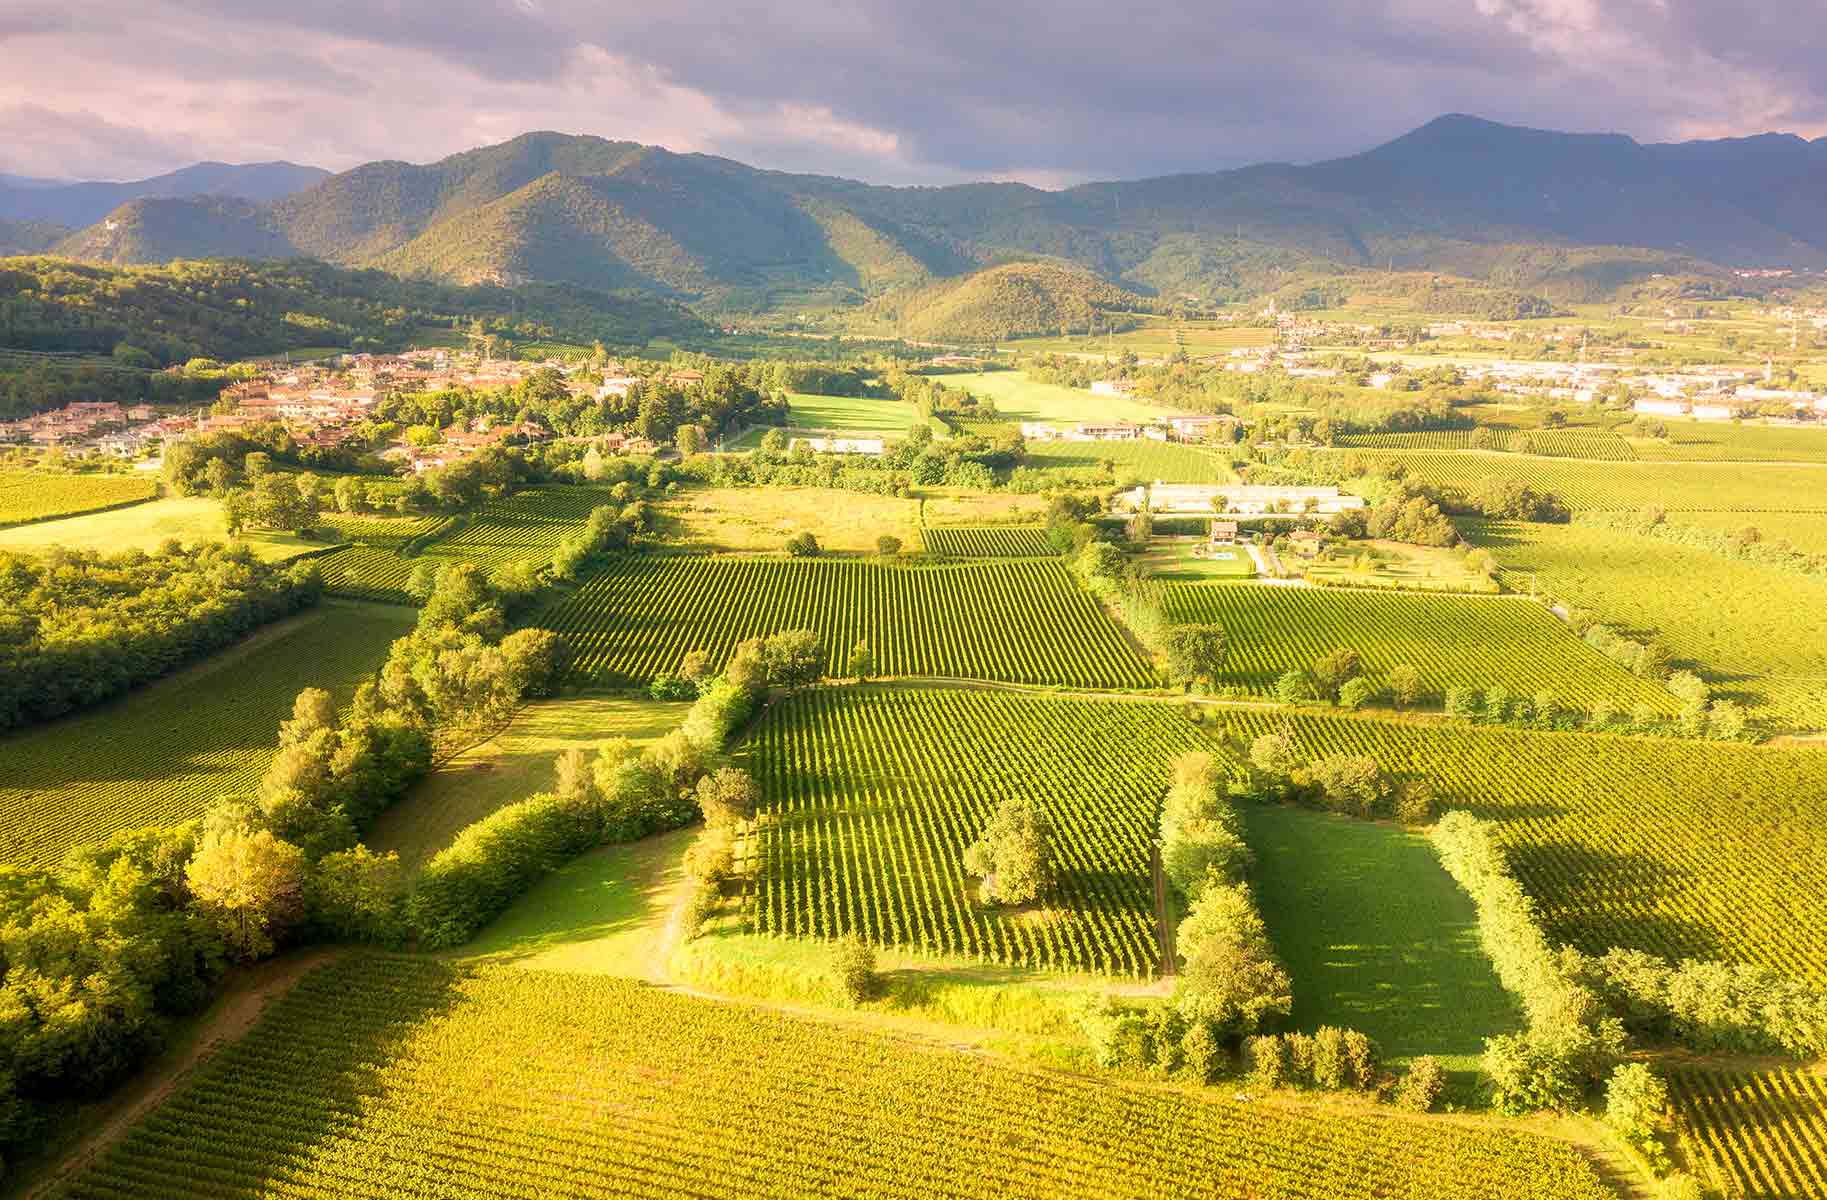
[(934, 91)]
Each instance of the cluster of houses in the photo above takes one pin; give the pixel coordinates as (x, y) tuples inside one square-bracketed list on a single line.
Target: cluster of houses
[(1174, 429), (104, 425)]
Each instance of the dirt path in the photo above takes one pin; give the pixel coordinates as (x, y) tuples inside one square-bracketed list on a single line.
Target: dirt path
[(227, 1019), (1170, 954)]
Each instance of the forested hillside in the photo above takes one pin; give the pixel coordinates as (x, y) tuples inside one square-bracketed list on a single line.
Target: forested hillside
[(1567, 216), (1009, 301)]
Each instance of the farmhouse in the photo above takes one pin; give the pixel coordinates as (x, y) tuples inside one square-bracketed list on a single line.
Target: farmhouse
[(1113, 387), (1198, 429), (616, 385), (1116, 431), (1661, 407), (1224, 533), (1307, 542), (1040, 431)]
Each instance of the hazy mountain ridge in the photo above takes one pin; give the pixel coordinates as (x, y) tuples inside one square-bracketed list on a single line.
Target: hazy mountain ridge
[(74, 205), (1569, 215)]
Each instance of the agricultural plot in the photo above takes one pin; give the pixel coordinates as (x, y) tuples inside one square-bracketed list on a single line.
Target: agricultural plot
[(1806, 532), (27, 496), (1144, 461), (1684, 849), (373, 566), (1761, 1135), (1020, 621), (526, 526), (1589, 444), (1453, 641), (146, 525), (870, 801), (1729, 442), (1375, 934), (988, 541), (1758, 633), (1677, 487), (164, 751), (414, 1078), (1019, 398)]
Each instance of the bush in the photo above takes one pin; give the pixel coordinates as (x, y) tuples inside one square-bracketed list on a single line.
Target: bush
[(853, 966), (1294, 688), (1267, 1059), (803, 545), (672, 687), (1636, 1107), (1201, 1052), (1331, 1066), (490, 864), (1421, 1088), (1356, 693)]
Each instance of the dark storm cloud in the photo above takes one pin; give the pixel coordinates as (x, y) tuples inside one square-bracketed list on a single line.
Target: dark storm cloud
[(939, 89)]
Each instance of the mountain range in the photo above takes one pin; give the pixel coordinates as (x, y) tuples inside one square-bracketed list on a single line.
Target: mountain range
[(1572, 216)]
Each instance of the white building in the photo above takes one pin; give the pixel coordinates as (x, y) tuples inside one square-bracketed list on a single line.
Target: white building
[(1660, 408), (1040, 431), (1241, 500), (1113, 387)]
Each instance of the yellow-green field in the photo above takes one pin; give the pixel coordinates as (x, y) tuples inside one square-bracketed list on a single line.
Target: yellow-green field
[(1019, 398), (190, 519), (762, 519)]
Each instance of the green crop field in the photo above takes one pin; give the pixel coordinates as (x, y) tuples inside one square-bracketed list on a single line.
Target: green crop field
[(373, 567), (1020, 621), (870, 800), (1546, 443), (399, 1077), (1806, 532), (1685, 849), (987, 541), (1759, 633), (1375, 934), (1760, 1135), (851, 414), (1723, 487), (1726, 441), (526, 526), (1143, 461), (1453, 641), (27, 496), (164, 751), (1195, 337), (146, 525), (1019, 398)]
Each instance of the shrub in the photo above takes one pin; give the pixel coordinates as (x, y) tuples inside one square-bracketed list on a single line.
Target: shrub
[(1362, 1057), (803, 545), (1267, 1059), (1421, 1088), (1636, 1107), (853, 966), (1356, 693), (672, 687), (490, 864), (1201, 1052), (1331, 1066)]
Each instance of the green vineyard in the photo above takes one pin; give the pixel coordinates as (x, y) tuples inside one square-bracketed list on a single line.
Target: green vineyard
[(372, 567), (1588, 444), (164, 751), (1452, 641), (1758, 633), (27, 496), (395, 1077), (1725, 441), (871, 800), (1143, 460), (1761, 1135), (1677, 487), (1020, 621), (987, 541), (1685, 849)]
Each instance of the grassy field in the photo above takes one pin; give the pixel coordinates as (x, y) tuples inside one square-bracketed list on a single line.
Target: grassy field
[(1019, 398), (510, 767), (1394, 565), (401, 1077), (1759, 1134), (843, 416), (1128, 463), (1016, 621), (189, 519), (44, 495), (1677, 487), (1685, 849), (1376, 935), (164, 751), (1757, 632), (1453, 641), (762, 519), (603, 913), (1173, 558), (870, 799)]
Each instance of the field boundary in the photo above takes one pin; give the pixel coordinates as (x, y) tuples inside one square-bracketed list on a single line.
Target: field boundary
[(86, 512)]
